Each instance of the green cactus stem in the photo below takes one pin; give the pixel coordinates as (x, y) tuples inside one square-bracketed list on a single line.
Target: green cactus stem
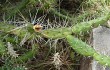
[(6, 27), (5, 37), (102, 59), (86, 50), (28, 55), (45, 6), (2, 48), (54, 11), (79, 46), (56, 33), (18, 31), (11, 12), (16, 9), (86, 26)]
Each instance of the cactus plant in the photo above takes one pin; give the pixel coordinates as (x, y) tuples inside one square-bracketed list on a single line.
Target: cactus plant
[(64, 32)]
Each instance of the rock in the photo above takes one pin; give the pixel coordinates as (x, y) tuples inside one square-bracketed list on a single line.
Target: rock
[(101, 43)]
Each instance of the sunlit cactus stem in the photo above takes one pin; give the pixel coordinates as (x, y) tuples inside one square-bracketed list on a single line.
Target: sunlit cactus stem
[(86, 26), (79, 46), (76, 29), (86, 50)]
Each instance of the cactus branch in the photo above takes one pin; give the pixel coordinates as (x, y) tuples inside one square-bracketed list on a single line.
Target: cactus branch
[(86, 50), (77, 29)]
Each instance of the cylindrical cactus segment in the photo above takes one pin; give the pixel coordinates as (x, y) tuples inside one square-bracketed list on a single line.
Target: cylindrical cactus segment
[(2, 48), (102, 59), (84, 49), (79, 46), (6, 27), (86, 26), (56, 33)]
